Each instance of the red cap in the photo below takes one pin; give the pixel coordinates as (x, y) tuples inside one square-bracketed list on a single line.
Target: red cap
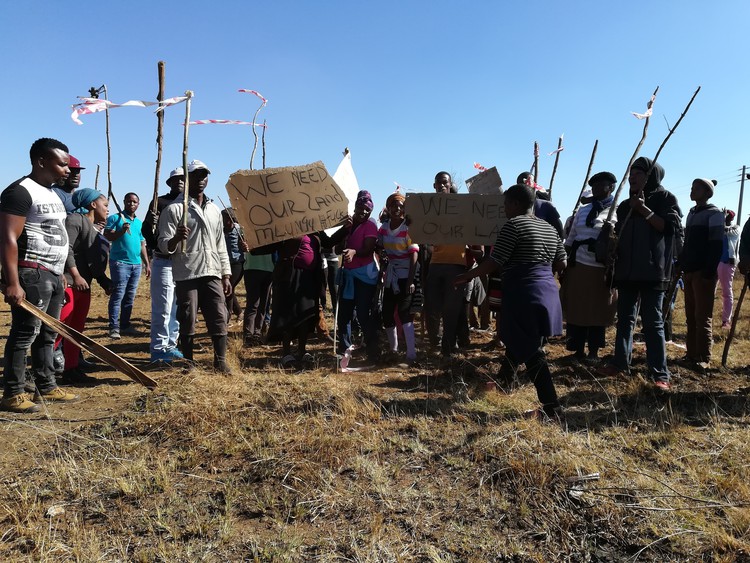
[(73, 162)]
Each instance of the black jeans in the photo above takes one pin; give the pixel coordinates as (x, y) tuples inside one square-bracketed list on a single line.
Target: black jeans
[(538, 371), (45, 291)]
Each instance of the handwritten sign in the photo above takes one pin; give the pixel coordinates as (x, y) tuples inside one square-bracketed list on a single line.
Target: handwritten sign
[(277, 204), (455, 218), (487, 182)]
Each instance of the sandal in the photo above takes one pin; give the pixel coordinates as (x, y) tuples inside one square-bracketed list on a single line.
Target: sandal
[(288, 361)]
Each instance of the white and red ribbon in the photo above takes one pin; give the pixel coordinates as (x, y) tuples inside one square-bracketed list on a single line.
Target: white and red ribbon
[(255, 93), (480, 167), (93, 105), (648, 112), (225, 122)]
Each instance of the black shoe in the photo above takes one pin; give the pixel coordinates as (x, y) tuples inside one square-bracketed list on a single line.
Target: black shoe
[(76, 376), (85, 365)]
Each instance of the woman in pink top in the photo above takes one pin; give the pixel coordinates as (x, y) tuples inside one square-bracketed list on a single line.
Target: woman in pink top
[(359, 276)]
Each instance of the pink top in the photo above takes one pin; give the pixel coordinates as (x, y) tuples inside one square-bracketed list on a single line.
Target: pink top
[(357, 237), (305, 258)]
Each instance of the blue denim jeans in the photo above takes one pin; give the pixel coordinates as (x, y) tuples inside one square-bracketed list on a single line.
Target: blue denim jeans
[(362, 304), (125, 279), (653, 328), (164, 326), (44, 290)]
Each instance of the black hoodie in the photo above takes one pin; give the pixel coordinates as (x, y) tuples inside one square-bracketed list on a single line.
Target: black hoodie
[(644, 255)]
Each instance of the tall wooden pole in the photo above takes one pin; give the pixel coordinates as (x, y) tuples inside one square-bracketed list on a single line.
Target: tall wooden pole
[(536, 162), (554, 168), (186, 196), (159, 140), (586, 179), (109, 148), (742, 193), (96, 178), (263, 143)]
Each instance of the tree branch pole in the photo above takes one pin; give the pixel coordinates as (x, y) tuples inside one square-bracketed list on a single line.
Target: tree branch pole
[(263, 143), (186, 196), (159, 142), (554, 168), (742, 193), (255, 134), (735, 317), (110, 194), (96, 178), (233, 217), (586, 179), (624, 179), (536, 162)]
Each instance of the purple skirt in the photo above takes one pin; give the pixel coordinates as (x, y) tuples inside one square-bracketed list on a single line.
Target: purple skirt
[(531, 309)]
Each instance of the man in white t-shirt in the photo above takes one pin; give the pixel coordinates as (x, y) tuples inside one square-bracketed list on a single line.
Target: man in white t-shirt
[(33, 251)]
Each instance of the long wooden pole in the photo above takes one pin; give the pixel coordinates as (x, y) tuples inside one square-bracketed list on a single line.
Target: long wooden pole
[(554, 168), (637, 150), (110, 195), (536, 162), (96, 178), (735, 316), (186, 195), (742, 193), (586, 179), (159, 142), (82, 341), (263, 143)]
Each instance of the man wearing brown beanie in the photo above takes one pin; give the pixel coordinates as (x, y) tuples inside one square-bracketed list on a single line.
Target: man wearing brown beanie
[(699, 259)]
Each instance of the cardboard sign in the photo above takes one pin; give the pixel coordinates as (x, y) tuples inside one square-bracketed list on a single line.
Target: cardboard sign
[(455, 218), (487, 182), (277, 204)]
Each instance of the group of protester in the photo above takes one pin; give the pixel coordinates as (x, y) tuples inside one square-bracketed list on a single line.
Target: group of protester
[(53, 232)]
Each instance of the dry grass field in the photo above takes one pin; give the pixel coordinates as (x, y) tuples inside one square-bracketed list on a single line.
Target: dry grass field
[(389, 464)]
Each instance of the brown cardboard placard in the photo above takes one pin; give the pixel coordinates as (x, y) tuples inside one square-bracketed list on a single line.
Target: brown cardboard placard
[(276, 204), (439, 218)]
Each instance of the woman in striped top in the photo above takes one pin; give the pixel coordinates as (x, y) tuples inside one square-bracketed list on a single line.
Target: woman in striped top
[(529, 252), (393, 237)]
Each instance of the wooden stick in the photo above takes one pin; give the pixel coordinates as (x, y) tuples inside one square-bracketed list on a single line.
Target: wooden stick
[(536, 162), (104, 354), (96, 178), (586, 179), (554, 168), (255, 134), (263, 145), (656, 156), (233, 217), (110, 195), (159, 142), (624, 179), (735, 317), (186, 196)]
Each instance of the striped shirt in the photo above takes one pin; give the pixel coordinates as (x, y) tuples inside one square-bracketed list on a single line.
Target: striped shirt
[(527, 240), (398, 245)]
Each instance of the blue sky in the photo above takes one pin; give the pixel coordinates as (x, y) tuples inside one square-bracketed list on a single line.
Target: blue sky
[(410, 87)]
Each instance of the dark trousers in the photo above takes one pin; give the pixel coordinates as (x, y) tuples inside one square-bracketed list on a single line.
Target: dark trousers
[(233, 305), (699, 314), (206, 293), (400, 301), (445, 302), (362, 303), (258, 288), (45, 291), (580, 336), (538, 371)]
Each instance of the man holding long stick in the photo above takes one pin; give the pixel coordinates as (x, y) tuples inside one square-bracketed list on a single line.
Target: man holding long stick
[(202, 273), (643, 267), (33, 251)]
